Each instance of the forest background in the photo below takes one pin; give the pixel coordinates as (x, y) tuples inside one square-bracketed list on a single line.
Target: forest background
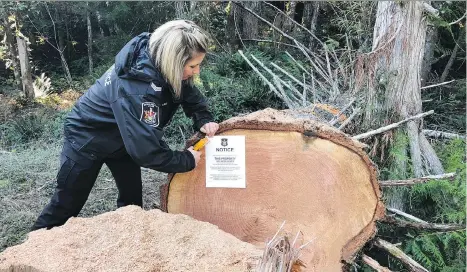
[(52, 52)]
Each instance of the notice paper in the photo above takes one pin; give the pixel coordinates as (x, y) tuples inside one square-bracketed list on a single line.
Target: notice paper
[(225, 162)]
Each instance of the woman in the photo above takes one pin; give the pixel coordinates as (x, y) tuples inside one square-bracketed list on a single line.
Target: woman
[(119, 120)]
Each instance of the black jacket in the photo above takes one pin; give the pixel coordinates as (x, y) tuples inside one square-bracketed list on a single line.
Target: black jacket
[(127, 108)]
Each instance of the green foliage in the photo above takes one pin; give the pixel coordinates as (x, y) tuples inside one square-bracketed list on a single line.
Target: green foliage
[(439, 251), (441, 202), (41, 126), (449, 105)]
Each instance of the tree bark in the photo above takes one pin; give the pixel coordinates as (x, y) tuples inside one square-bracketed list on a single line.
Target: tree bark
[(88, 20), (434, 165), (12, 52), (250, 22), (288, 26), (428, 57), (26, 77), (230, 27), (398, 45), (180, 9), (314, 21)]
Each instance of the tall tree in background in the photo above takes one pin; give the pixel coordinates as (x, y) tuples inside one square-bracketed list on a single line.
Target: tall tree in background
[(59, 37), (250, 22), (394, 68), (310, 18), (10, 42), (88, 22), (23, 56)]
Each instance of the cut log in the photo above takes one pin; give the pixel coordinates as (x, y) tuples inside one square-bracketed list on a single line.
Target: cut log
[(310, 174)]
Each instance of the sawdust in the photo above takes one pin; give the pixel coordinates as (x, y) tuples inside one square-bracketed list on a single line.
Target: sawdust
[(131, 239)]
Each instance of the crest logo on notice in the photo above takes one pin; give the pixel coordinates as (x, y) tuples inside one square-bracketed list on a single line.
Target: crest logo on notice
[(150, 114), (224, 142)]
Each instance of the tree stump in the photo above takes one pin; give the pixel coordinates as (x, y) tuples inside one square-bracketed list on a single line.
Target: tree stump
[(311, 175)]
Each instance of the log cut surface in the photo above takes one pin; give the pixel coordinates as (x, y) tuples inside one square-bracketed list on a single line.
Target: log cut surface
[(314, 177)]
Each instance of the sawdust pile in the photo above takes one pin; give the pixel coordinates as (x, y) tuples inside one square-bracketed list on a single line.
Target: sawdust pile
[(131, 239)]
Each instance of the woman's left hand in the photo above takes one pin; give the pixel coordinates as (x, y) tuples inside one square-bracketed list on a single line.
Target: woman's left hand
[(210, 128)]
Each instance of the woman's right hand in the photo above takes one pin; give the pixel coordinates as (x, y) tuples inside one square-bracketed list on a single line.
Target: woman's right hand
[(196, 154)]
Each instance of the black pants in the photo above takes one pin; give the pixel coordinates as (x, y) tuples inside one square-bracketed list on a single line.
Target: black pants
[(76, 178)]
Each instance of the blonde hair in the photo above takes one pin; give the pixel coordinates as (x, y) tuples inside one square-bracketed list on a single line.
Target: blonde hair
[(172, 44)]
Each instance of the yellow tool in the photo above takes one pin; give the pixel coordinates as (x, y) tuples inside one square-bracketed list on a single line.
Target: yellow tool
[(200, 144)]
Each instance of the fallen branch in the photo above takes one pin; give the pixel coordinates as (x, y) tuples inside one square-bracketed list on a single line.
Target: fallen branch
[(341, 112), (276, 78), (406, 215), (347, 121), (422, 226), (458, 20), (400, 255), (441, 134), (391, 126), (428, 8), (271, 86), (436, 85), (413, 181), (269, 41), (290, 76), (374, 264)]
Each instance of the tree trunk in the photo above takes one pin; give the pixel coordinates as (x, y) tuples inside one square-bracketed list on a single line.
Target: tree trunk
[(429, 155), (310, 18), (429, 56), (314, 177), (88, 20), (398, 45), (180, 9), (290, 11), (13, 53), (103, 27), (230, 27), (26, 77), (61, 43), (250, 22), (459, 41), (192, 6)]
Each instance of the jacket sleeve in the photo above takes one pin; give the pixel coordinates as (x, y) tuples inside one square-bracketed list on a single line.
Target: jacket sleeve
[(196, 107), (143, 140)]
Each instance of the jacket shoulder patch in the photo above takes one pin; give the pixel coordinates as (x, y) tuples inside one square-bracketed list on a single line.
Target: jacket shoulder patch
[(155, 88), (150, 113)]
